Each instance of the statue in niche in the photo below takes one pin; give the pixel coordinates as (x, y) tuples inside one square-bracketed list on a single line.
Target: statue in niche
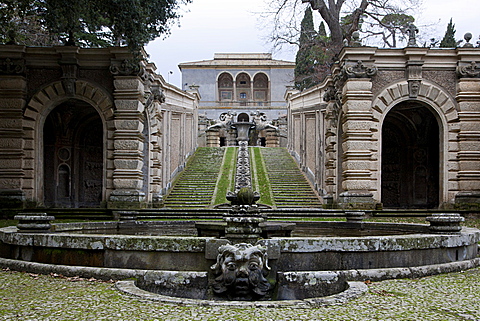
[(240, 272)]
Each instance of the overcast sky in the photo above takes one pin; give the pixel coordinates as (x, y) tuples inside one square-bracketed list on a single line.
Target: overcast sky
[(219, 26)]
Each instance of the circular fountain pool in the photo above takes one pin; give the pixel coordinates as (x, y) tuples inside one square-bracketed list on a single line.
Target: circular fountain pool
[(169, 259)]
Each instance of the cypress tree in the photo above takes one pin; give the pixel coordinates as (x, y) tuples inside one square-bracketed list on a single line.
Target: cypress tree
[(449, 40), (305, 59)]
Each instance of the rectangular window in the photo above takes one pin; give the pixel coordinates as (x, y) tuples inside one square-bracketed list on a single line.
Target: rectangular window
[(260, 95), (226, 95), (243, 96)]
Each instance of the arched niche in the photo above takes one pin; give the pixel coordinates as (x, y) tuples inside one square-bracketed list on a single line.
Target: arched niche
[(38, 122), (73, 156), (225, 87), (243, 117), (243, 87), (260, 87), (442, 107), (410, 170)]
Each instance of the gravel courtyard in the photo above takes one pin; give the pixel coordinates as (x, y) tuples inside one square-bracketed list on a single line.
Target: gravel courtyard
[(25, 296)]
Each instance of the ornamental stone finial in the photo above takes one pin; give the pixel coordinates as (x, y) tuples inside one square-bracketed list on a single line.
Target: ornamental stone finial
[(412, 31), (468, 36)]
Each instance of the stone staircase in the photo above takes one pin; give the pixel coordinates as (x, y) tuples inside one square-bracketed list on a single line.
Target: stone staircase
[(289, 186), (195, 185)]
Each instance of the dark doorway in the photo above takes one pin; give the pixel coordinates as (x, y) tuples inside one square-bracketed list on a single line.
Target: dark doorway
[(410, 157), (73, 156)]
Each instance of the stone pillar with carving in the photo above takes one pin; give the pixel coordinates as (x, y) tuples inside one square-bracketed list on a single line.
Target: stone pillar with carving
[(333, 99), (272, 137), (128, 140), (358, 145), (213, 140), (231, 137), (14, 189), (468, 98)]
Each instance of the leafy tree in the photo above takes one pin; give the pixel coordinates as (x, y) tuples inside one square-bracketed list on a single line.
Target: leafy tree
[(21, 25), (448, 40), (342, 17), (92, 23), (391, 27)]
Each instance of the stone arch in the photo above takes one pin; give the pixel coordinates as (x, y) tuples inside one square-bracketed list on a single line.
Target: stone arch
[(40, 106), (225, 81), (443, 107), (243, 86), (261, 87), (225, 74)]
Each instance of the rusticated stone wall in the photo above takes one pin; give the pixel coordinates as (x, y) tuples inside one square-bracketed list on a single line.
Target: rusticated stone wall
[(370, 87), (89, 128)]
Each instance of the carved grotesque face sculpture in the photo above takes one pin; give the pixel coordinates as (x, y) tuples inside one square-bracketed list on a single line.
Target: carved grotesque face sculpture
[(414, 88), (240, 272)]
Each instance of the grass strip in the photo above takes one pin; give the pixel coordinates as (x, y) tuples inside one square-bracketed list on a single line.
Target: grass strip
[(225, 179), (260, 176)]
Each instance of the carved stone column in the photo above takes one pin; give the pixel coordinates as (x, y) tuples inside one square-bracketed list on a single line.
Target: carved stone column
[(212, 137), (128, 139), (468, 156), (14, 189), (358, 145), (231, 137), (272, 138)]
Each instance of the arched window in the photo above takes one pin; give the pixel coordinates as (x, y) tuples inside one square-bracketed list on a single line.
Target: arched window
[(260, 87), (225, 87), (243, 87)]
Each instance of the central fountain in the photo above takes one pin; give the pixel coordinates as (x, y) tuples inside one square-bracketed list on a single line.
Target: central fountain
[(243, 259)]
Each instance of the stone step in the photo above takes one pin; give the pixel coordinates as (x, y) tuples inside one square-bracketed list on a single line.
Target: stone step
[(195, 185), (289, 186)]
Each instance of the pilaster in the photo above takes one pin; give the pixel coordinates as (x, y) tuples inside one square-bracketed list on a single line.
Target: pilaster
[(13, 86), (359, 148), (129, 99), (468, 98)]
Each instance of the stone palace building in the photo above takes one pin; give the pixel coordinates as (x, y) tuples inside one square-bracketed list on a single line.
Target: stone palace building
[(391, 128), (240, 87)]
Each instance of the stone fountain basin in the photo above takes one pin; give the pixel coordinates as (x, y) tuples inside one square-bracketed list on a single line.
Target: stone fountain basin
[(175, 264)]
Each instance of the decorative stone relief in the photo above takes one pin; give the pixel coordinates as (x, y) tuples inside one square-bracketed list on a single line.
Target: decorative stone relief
[(240, 272), (69, 78), (12, 67), (128, 68), (468, 70), (358, 70), (414, 76), (333, 110), (157, 95), (413, 88)]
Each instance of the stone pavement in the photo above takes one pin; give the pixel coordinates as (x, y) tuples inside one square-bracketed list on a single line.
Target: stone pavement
[(24, 296)]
